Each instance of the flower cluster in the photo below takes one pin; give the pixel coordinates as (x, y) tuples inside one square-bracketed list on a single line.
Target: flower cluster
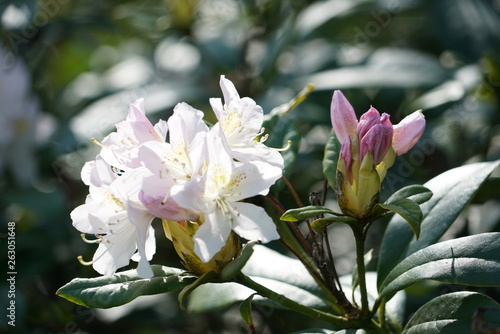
[(369, 148), (183, 172)]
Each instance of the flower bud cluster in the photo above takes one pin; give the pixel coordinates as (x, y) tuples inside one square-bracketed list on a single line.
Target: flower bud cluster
[(369, 148), (191, 176)]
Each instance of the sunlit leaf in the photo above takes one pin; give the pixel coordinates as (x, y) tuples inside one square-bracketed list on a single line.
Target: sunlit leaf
[(121, 288), (452, 191), (306, 212), (455, 313), (472, 260), (407, 209)]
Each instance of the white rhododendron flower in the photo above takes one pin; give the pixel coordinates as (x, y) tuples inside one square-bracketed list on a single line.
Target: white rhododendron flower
[(199, 175), (113, 212), (217, 193)]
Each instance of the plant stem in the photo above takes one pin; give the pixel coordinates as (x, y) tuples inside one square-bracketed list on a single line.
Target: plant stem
[(310, 312), (360, 237)]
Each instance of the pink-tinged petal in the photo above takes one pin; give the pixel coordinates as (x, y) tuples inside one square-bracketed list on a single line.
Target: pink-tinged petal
[(254, 223), (408, 132), (343, 117), (228, 90), (212, 234), (367, 121), (345, 153), (377, 141), (167, 209)]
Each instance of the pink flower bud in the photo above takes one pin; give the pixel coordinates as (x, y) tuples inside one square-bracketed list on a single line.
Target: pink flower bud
[(375, 134), (408, 132), (343, 117), (377, 141)]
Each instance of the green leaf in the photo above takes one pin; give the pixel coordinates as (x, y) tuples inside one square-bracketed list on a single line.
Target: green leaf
[(472, 260), (305, 212), (123, 287), (246, 312), (280, 273), (407, 209), (331, 158), (452, 191), (207, 277), (454, 313), (319, 224), (234, 267), (417, 193)]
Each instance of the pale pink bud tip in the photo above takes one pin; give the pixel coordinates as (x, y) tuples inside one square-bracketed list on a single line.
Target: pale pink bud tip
[(344, 121), (408, 132)]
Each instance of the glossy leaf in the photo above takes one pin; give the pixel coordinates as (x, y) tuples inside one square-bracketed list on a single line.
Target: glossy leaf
[(417, 193), (408, 210), (234, 267), (472, 260), (452, 191), (123, 287), (331, 158), (306, 212), (454, 313), (246, 312), (319, 224)]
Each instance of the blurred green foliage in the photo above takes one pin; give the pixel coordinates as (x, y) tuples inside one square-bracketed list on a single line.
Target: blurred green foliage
[(87, 60)]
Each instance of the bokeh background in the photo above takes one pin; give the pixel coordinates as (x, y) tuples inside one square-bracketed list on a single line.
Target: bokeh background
[(69, 70)]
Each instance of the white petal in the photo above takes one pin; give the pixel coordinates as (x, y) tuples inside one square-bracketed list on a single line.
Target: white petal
[(212, 235), (116, 251), (141, 219), (228, 90), (253, 223), (80, 217), (185, 123), (252, 179), (217, 107)]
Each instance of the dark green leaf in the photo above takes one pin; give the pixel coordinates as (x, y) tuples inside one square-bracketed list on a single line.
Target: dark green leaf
[(305, 212), (452, 191), (319, 224), (472, 260), (121, 288), (417, 193), (246, 312), (331, 158), (454, 313), (407, 209), (234, 267)]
